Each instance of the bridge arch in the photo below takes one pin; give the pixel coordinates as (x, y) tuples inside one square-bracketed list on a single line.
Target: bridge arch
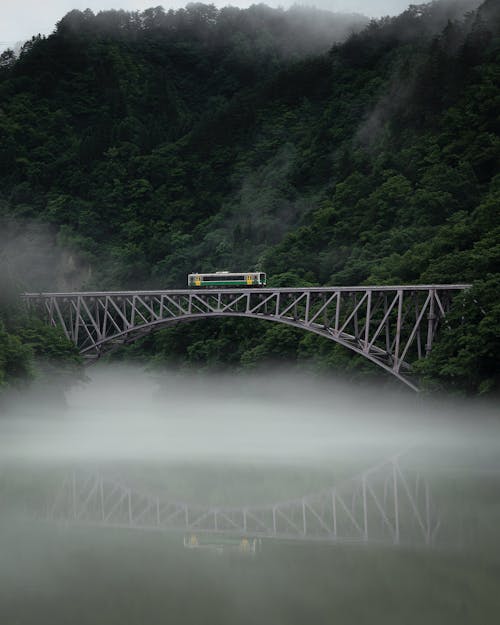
[(387, 504), (127, 337), (389, 326)]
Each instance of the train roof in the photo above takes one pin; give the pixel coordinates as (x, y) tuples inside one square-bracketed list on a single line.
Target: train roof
[(225, 273)]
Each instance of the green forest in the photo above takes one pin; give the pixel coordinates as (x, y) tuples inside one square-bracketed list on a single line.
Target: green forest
[(321, 148)]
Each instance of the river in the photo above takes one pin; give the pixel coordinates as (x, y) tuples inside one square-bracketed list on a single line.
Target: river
[(131, 442)]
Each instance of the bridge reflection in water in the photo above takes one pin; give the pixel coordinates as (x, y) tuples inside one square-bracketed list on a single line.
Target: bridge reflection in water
[(386, 504), (392, 326)]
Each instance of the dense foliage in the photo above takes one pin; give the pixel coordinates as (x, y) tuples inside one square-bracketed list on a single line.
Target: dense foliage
[(159, 143), (30, 350)]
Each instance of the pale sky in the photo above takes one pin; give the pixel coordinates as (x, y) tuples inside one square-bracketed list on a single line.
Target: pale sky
[(20, 19)]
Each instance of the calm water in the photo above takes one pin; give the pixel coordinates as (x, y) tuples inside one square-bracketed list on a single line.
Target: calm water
[(218, 442)]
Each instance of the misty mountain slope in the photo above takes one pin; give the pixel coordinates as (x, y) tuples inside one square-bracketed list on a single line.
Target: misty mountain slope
[(162, 143), (119, 101)]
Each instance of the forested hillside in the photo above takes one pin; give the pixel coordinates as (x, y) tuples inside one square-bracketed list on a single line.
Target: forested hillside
[(313, 146)]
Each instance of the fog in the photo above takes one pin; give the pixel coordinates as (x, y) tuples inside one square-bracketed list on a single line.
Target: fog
[(124, 413), (32, 259), (20, 21), (243, 441)]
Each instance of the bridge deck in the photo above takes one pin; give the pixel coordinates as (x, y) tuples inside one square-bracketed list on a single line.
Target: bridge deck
[(260, 290)]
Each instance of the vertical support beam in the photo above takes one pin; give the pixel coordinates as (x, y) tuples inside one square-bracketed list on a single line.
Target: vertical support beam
[(337, 311), (76, 320), (399, 324), (365, 509), (427, 514), (308, 303), (71, 323), (368, 319), (105, 320), (97, 317), (132, 314), (419, 334), (387, 327), (101, 493), (274, 520), (334, 512), (51, 312), (73, 489), (396, 503), (355, 320), (304, 523), (431, 323)]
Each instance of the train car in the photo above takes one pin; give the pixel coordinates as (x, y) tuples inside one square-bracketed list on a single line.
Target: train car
[(226, 279), (244, 545)]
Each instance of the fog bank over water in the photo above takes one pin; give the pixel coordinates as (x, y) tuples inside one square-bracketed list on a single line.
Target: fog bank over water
[(244, 440), (238, 439), (126, 414)]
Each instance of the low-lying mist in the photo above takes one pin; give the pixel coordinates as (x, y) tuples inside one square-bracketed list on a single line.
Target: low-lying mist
[(244, 441), (126, 414)]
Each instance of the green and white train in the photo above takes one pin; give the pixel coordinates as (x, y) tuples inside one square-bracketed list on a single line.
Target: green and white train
[(226, 279)]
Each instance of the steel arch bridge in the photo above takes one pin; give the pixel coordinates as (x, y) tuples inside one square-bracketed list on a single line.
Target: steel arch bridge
[(392, 326), (386, 504)]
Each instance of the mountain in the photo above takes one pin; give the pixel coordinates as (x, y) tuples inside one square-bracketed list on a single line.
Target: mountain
[(317, 147)]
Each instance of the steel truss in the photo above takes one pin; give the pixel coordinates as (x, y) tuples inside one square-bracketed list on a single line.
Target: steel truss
[(390, 325), (383, 505)]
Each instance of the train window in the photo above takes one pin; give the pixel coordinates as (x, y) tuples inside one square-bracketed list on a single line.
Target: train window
[(223, 278)]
